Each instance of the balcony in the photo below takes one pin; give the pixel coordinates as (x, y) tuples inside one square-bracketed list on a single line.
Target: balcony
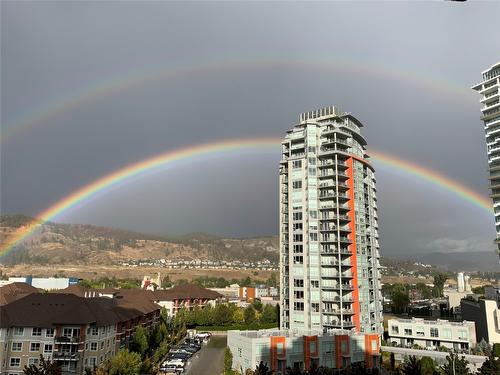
[(66, 356), (67, 340)]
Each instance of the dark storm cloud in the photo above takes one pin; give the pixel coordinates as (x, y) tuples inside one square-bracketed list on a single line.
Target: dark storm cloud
[(50, 50)]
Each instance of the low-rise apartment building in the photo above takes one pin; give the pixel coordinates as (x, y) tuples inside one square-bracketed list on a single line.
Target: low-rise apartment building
[(185, 296), (294, 349), (432, 334), (74, 331)]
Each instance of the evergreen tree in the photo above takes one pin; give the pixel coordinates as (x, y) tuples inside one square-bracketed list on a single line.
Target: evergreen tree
[(124, 363), (412, 366), (268, 314), (228, 362), (249, 314), (491, 366), (262, 368), (45, 367), (428, 366), (140, 341), (455, 365)]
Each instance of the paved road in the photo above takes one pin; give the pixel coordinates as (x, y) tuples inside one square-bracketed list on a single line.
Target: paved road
[(210, 359)]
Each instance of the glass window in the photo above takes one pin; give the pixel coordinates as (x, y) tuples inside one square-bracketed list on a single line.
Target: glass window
[(434, 332), (298, 248), (299, 294), (446, 333), (15, 362), (93, 346), (298, 260), (297, 184), (297, 164), (47, 348), (18, 331), (394, 329), (17, 346), (298, 306), (95, 331), (36, 332), (298, 283), (35, 347), (49, 332), (462, 334)]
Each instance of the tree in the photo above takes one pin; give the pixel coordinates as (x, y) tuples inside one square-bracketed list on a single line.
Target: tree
[(45, 367), (393, 361), (400, 298), (496, 349), (455, 365), (222, 315), (228, 362), (124, 363), (246, 282), (412, 366), (262, 369), (293, 371), (425, 291), (491, 366), (239, 316), (428, 366), (439, 280), (268, 314), (249, 315), (166, 282), (257, 305), (272, 281), (139, 342)]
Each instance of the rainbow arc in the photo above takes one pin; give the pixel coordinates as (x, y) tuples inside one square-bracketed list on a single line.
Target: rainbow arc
[(201, 151)]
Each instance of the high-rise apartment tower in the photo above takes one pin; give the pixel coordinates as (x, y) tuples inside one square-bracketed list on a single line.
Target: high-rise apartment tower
[(329, 251), (489, 88)]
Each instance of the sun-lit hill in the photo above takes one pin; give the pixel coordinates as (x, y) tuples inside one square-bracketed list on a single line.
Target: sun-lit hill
[(58, 243)]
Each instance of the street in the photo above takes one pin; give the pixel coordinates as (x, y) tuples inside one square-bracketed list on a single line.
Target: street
[(210, 359)]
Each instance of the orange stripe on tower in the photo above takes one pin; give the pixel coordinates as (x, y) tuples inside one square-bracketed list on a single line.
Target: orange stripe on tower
[(354, 264)]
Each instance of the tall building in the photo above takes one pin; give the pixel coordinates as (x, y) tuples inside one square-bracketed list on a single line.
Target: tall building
[(489, 88), (329, 251)]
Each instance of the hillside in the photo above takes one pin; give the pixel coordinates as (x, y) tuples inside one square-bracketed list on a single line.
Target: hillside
[(78, 244), (87, 244), (484, 261)]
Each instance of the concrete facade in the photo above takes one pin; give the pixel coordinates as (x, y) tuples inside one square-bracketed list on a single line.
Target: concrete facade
[(489, 88), (282, 349), (329, 250), (431, 334)]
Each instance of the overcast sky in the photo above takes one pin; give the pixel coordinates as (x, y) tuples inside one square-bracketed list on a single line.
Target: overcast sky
[(238, 70)]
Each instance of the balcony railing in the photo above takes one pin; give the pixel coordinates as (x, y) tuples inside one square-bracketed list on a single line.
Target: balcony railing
[(67, 340), (66, 356)]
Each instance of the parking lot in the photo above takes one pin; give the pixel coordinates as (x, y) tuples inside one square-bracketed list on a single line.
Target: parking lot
[(198, 355)]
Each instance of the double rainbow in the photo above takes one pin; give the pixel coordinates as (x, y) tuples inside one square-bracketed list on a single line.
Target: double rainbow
[(99, 89), (228, 146)]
